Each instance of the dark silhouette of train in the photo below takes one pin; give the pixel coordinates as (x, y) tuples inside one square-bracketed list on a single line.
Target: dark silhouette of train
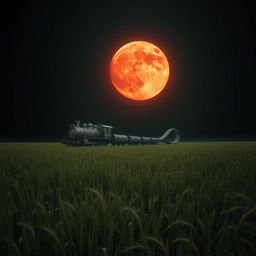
[(88, 134)]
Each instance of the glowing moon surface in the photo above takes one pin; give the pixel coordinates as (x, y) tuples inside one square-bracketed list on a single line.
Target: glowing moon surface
[(139, 70)]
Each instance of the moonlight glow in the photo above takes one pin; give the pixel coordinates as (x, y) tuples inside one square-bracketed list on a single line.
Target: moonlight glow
[(139, 70)]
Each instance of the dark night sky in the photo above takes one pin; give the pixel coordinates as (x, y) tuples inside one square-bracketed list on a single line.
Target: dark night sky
[(55, 68)]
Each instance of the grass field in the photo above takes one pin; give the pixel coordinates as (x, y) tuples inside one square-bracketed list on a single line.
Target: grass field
[(184, 199)]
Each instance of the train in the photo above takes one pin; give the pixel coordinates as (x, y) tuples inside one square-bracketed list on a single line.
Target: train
[(83, 134)]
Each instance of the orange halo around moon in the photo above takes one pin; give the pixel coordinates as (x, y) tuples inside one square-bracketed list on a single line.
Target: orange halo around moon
[(139, 70)]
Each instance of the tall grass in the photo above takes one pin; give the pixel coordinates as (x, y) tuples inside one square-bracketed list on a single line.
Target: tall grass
[(184, 199)]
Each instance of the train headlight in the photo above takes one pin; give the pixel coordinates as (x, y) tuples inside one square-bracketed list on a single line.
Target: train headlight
[(72, 133)]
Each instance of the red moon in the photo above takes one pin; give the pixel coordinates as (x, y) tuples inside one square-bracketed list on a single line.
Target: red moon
[(139, 70)]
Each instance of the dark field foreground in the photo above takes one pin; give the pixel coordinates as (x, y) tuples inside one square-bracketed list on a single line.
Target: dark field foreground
[(184, 199)]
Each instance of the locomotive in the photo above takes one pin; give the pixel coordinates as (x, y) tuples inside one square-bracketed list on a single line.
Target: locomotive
[(83, 134)]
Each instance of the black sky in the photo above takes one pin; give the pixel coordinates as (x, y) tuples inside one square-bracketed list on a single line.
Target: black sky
[(55, 67)]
